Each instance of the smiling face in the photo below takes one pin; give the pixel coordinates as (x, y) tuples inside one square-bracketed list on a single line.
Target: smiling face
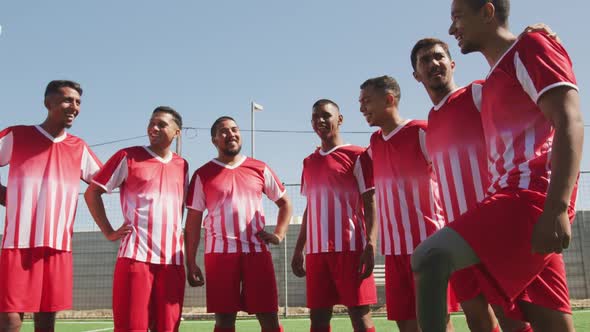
[(467, 26), (326, 120), (161, 130), (63, 107), (227, 138), (373, 105), (434, 69)]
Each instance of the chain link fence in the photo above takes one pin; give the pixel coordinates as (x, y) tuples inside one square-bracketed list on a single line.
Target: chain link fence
[(94, 259)]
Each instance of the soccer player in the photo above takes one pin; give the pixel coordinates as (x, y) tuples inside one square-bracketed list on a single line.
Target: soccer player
[(406, 191), (238, 264), (533, 131), (455, 140), (338, 226), (46, 165), (148, 282)]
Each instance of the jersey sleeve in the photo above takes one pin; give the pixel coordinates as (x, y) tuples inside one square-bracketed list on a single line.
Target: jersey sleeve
[(476, 94), (542, 64), (422, 140), (303, 180), (363, 173), (113, 173), (90, 164), (273, 188), (6, 144), (195, 199)]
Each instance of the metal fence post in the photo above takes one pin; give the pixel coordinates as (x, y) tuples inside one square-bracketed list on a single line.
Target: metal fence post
[(285, 274)]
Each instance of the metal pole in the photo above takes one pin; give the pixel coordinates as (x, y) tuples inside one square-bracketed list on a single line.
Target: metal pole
[(285, 274), (179, 144), (252, 127)]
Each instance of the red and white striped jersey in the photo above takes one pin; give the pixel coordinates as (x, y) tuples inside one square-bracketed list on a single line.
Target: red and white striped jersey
[(333, 182), (152, 197), (232, 196), (518, 136), (456, 144), (406, 191), (43, 186)]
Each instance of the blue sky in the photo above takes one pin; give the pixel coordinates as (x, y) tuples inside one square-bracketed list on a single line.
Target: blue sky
[(211, 58)]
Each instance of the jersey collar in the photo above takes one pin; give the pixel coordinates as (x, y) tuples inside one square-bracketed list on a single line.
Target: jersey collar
[(160, 159), (444, 100), (236, 165), (51, 138), (325, 153), (396, 130)]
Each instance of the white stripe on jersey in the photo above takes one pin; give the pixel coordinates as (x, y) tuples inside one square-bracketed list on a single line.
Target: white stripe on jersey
[(457, 179), (324, 221), (338, 224), (405, 215), (524, 78), (475, 172), (419, 214), (442, 178)]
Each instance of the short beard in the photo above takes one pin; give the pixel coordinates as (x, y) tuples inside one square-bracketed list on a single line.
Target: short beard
[(232, 153)]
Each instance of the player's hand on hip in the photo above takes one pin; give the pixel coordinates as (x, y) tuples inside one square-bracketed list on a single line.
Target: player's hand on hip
[(297, 264), (119, 233), (194, 276), (367, 261), (269, 238), (551, 233)]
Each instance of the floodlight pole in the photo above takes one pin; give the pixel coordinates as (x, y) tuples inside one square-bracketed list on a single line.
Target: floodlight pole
[(252, 110)]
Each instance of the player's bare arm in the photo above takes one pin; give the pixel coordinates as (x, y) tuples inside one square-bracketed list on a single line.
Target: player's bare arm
[(561, 106), (2, 195), (283, 219), (368, 256), (298, 259), (192, 238), (93, 197)]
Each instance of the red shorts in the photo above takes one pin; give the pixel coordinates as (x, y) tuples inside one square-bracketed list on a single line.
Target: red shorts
[(333, 278), (465, 283), (147, 296), (241, 281), (400, 292), (500, 231), (35, 280)]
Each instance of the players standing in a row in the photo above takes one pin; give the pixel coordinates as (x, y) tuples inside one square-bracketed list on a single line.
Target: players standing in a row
[(46, 165), (534, 132), (149, 278), (338, 231), (238, 264), (406, 191)]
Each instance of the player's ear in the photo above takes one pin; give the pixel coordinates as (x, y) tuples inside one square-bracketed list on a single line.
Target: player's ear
[(488, 12), (415, 74), (340, 119), (389, 99)]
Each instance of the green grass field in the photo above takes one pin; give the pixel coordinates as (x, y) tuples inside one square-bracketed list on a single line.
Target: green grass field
[(339, 324)]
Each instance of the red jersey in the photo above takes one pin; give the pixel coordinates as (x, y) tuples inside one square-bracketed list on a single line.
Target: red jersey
[(408, 204), (232, 196), (333, 182), (518, 136), (43, 186), (152, 197), (456, 144)]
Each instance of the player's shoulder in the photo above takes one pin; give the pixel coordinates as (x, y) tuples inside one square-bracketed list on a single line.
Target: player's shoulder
[(352, 150), (536, 42), (417, 125), (254, 163)]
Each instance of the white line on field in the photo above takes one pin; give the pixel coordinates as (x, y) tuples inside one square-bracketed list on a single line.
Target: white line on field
[(107, 329)]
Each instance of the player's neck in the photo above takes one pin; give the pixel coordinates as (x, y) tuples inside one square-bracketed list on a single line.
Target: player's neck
[(230, 160), (437, 95), (160, 152), (392, 123), (331, 142), (497, 45), (53, 129)]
